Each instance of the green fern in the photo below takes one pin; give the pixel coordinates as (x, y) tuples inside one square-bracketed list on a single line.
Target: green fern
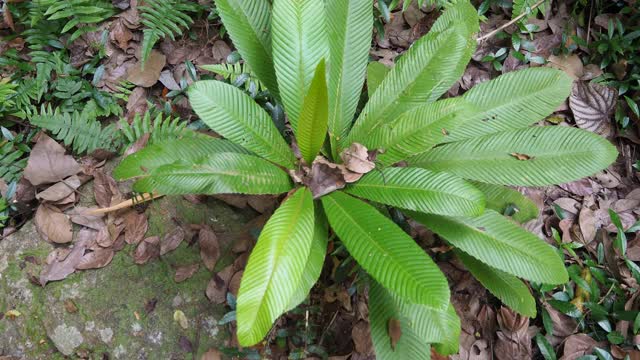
[(82, 131), (160, 129), (162, 19), (13, 151), (7, 92), (80, 12), (238, 74)]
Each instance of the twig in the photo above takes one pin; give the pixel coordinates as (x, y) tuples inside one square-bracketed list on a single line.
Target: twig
[(125, 204), (515, 20)]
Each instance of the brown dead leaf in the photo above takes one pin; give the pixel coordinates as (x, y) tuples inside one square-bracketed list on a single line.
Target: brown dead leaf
[(59, 268), (48, 164), (592, 106), (563, 325), (234, 283), (325, 179), (167, 79), (52, 225), (591, 71), (218, 285), (105, 189), (395, 332), (587, 221), (578, 345), (570, 64), (212, 354), (263, 203), (148, 249), (148, 76), (209, 247), (361, 335), (514, 341), (185, 272), (79, 215), (96, 259), (120, 34), (172, 240), (521, 157), (140, 144), (60, 190), (135, 227), (356, 159)]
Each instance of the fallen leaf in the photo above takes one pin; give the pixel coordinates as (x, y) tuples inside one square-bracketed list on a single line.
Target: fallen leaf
[(60, 190), (587, 221), (166, 78), (578, 345), (521, 157), (234, 283), (96, 259), (324, 179), (570, 64), (148, 249), (361, 335), (48, 164), (212, 354), (140, 144), (217, 288), (563, 325), (70, 306), (59, 269), (120, 34), (592, 106), (135, 227), (172, 240), (52, 225), (181, 319), (185, 272), (356, 159), (395, 332), (148, 76), (514, 341), (209, 247), (185, 344)]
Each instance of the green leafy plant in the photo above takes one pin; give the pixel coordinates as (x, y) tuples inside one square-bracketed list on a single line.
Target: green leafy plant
[(162, 19), (459, 155), (159, 129), (79, 12)]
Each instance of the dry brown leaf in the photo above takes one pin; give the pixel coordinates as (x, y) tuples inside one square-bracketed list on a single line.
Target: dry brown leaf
[(212, 354), (514, 341), (48, 164), (96, 259), (105, 189), (52, 225), (395, 332), (218, 285), (361, 335), (570, 64), (185, 272), (148, 249), (356, 159), (61, 190), (592, 106), (325, 179), (563, 325), (120, 34), (140, 144), (587, 221), (234, 283), (209, 247), (172, 240), (167, 79), (59, 268), (148, 76), (578, 345), (135, 227)]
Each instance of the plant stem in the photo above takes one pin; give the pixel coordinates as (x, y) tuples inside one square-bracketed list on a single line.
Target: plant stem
[(515, 20), (125, 204)]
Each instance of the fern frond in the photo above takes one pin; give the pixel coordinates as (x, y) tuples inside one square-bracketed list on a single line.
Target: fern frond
[(160, 128), (80, 12), (238, 74), (162, 19), (12, 161), (81, 131)]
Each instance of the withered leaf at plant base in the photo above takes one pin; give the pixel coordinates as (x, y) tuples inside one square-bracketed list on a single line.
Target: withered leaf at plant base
[(148, 76), (105, 189), (217, 288), (48, 163), (172, 240), (395, 332), (361, 335), (209, 247), (135, 227), (58, 269), (356, 159), (148, 249), (592, 106), (563, 325), (185, 272), (325, 179), (60, 190), (96, 259), (52, 225)]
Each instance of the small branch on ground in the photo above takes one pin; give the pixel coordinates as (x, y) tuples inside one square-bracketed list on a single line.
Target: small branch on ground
[(515, 20), (125, 204)]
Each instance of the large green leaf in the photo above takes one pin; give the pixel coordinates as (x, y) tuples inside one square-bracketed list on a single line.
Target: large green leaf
[(514, 100), (529, 157), (299, 43), (350, 24), (387, 253), (312, 126), (417, 130), (423, 74), (501, 198), (317, 253), (500, 243), (275, 267), (218, 173), (249, 26), (421, 325), (506, 287), (166, 152), (420, 190), (233, 114), (376, 72)]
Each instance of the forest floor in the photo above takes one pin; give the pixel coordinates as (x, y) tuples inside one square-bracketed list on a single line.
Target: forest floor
[(158, 280)]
